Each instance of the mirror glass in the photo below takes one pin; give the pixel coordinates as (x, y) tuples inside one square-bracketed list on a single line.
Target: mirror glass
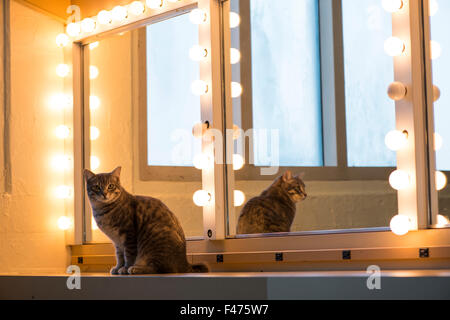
[(309, 95), (440, 51), (141, 112)]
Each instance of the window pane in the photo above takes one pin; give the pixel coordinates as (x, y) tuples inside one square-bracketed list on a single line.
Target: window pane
[(172, 108), (286, 79), (368, 72)]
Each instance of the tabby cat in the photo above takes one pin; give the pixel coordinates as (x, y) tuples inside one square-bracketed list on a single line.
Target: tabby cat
[(274, 210), (147, 236)]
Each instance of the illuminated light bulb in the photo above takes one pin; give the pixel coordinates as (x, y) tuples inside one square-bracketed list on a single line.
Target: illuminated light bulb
[(202, 162), (73, 29), (400, 225), (201, 198), (199, 87), (104, 17), (62, 70), (441, 181), (154, 4), (62, 40), (396, 140), (236, 132), (137, 8), (93, 45), (94, 225), (238, 162), (62, 132), (64, 223), (63, 192), (199, 129), (61, 101), (95, 163), (88, 25), (397, 91), (239, 198), (94, 133), (394, 46), (236, 90), (434, 7), (436, 93), (235, 56), (399, 180), (198, 16), (438, 142), (198, 53), (93, 72), (392, 5), (235, 20), (442, 221), (119, 13), (61, 162), (436, 50), (94, 103)]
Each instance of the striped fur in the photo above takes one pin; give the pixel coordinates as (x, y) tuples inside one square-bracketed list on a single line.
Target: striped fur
[(147, 236), (274, 210)]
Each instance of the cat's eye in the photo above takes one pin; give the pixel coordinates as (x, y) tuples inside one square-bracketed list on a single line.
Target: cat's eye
[(111, 187), (96, 188)]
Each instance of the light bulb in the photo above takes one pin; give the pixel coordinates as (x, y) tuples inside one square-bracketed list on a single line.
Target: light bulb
[(396, 140), (94, 45), (199, 87), (201, 198), (199, 129), (438, 142), (62, 40), (394, 46), (64, 223), (235, 20), (94, 133), (104, 17), (198, 53), (94, 103), (442, 221), (238, 162), (94, 225), (62, 132), (236, 90), (63, 192), (434, 7), (436, 50), (137, 8), (95, 163), (202, 162), (239, 198), (436, 93), (61, 101), (93, 72), (62, 70), (119, 13), (61, 162), (400, 225), (73, 29), (392, 5), (88, 25), (397, 91), (154, 4), (399, 180), (235, 56), (198, 16), (441, 181)]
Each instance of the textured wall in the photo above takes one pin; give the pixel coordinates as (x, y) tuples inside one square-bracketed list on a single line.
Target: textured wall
[(29, 238)]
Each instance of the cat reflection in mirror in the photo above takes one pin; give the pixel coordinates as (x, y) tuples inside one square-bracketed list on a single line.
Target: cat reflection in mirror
[(147, 236), (274, 210)]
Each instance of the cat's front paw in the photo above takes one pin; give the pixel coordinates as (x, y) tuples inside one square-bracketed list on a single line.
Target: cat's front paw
[(123, 271), (115, 270)]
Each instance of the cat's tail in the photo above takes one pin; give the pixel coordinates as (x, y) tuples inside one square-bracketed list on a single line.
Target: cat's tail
[(199, 268)]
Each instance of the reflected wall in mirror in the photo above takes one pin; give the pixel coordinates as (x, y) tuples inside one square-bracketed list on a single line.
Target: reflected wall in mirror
[(440, 52), (314, 115), (141, 113)]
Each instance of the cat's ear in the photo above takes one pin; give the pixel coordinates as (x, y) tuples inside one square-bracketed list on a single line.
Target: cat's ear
[(88, 174), (301, 175), (116, 172), (287, 176)]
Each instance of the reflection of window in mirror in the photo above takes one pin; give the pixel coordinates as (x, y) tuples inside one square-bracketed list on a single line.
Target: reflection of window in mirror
[(314, 76), (142, 112), (440, 53)]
